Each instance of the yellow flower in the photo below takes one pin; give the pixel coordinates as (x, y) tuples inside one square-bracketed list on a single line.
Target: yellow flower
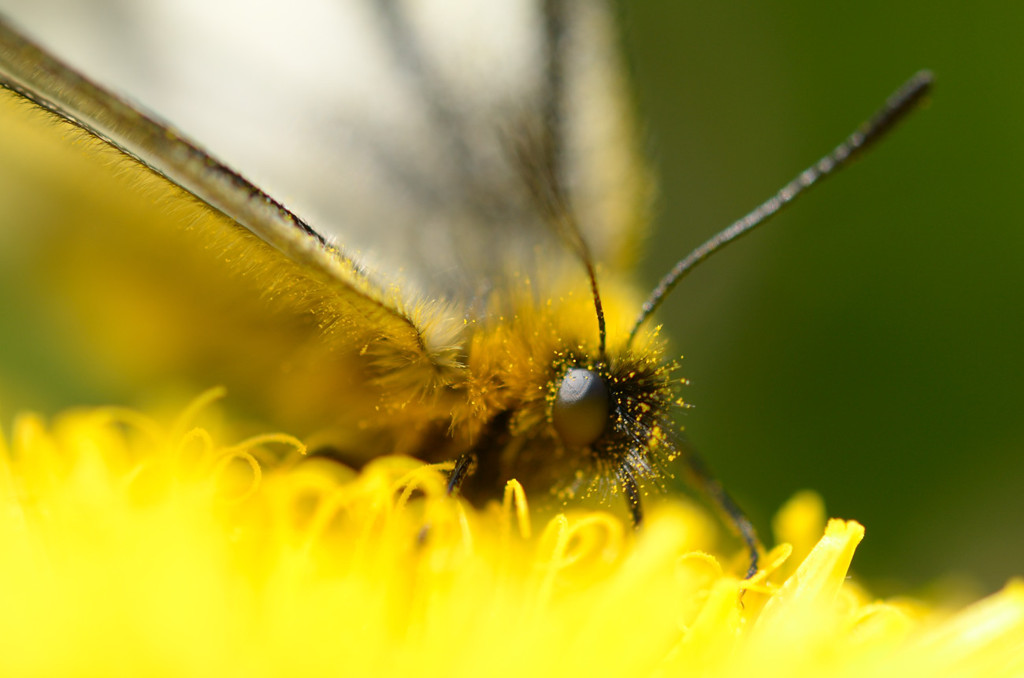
[(131, 548)]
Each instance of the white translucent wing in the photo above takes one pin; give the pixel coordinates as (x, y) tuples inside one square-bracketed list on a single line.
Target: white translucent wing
[(36, 75), (402, 348), (397, 129)]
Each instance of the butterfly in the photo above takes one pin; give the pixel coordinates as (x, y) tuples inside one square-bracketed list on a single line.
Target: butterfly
[(450, 278)]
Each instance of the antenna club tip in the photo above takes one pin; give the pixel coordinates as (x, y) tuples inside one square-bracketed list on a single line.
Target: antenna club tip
[(919, 84), (903, 100), (925, 76)]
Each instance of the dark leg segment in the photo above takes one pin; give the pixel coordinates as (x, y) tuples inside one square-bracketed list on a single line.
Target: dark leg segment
[(632, 494), (703, 478), (464, 467)]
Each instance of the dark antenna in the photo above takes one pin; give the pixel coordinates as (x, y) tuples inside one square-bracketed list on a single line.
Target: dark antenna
[(541, 154), (542, 179), (896, 108), (602, 332)]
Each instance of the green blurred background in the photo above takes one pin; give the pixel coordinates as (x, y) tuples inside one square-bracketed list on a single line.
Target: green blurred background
[(868, 343)]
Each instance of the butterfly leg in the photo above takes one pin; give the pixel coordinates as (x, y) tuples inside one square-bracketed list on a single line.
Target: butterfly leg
[(464, 467), (712, 488), (740, 522), (632, 493)]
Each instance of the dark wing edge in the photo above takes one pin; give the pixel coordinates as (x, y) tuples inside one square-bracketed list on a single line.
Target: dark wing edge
[(44, 80)]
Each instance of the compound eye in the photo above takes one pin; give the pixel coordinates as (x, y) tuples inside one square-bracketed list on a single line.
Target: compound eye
[(580, 412)]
